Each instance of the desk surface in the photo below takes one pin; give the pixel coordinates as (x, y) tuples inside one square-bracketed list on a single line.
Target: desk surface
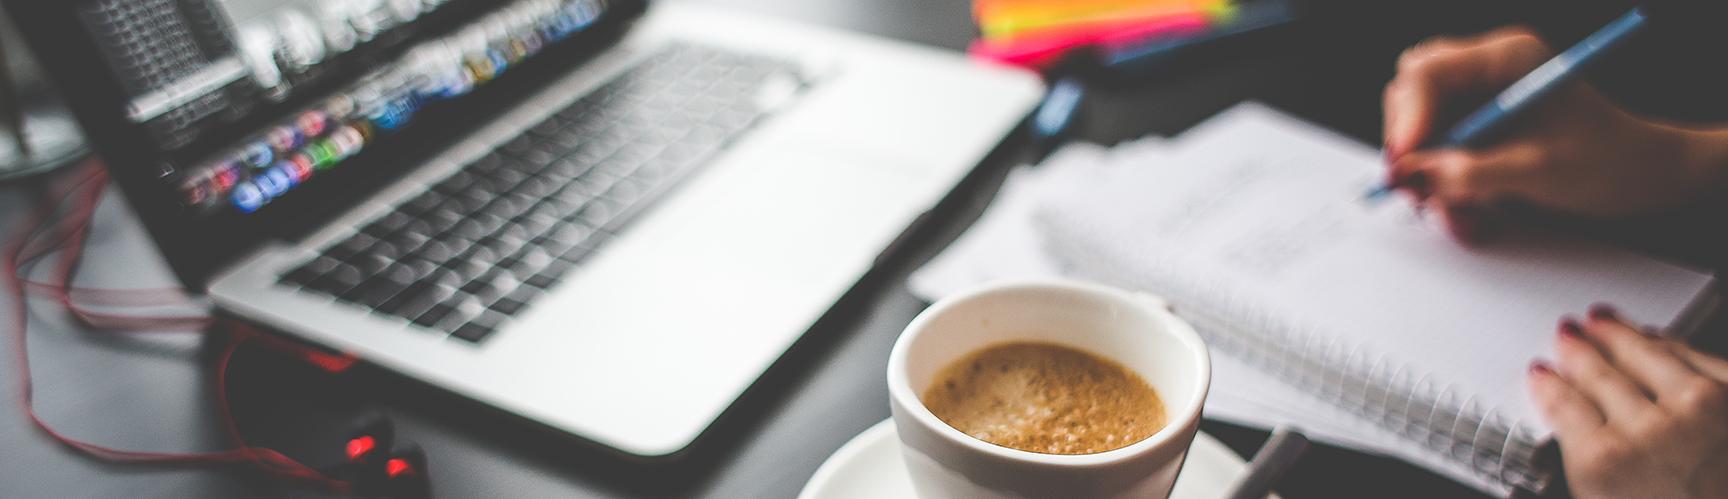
[(149, 393)]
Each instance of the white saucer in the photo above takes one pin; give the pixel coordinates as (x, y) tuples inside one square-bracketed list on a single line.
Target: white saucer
[(870, 467)]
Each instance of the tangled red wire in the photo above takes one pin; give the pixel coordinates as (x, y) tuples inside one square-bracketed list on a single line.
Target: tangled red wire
[(45, 234)]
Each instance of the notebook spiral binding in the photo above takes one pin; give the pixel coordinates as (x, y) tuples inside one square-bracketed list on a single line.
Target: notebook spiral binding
[(1372, 385)]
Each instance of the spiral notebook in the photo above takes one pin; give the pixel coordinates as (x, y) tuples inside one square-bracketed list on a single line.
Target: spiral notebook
[(1257, 233)]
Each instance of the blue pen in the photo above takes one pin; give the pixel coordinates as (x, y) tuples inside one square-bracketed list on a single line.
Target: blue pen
[(1488, 124)]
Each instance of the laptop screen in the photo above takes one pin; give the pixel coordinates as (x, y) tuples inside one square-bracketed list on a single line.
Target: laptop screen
[(218, 116), (196, 67)]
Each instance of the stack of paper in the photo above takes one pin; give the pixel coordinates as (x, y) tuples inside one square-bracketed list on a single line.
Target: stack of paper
[(1035, 214), (1006, 242)]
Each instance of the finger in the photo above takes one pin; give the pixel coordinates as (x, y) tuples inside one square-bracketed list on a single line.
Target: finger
[(1480, 177), (1585, 368), (1407, 117), (1710, 366), (1432, 71), (1468, 224), (1567, 410), (1646, 362)]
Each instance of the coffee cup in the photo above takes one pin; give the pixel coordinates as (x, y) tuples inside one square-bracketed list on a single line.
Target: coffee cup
[(1135, 330)]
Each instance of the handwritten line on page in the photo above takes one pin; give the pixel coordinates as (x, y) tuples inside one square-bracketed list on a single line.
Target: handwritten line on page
[(1338, 314)]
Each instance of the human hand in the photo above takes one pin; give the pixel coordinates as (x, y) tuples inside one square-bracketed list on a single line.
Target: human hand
[(1635, 416), (1575, 152)]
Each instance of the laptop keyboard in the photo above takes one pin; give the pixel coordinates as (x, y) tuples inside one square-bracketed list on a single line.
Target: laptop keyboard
[(478, 247)]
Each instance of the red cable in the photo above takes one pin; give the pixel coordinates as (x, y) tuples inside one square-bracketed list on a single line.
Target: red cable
[(35, 243)]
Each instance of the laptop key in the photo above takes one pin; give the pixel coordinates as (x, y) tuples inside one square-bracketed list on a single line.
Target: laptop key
[(432, 287), (472, 332), (507, 206), (469, 229), (534, 225), (517, 145), (434, 314), (425, 201), (481, 255), (416, 303), (515, 301), (490, 319), (550, 275), (422, 227), (498, 285), (476, 286), (504, 246), (530, 261), (395, 304), (392, 222), (386, 250), (436, 220), (370, 264), (345, 250), (311, 270), (463, 308), (435, 251), (480, 327), (508, 306), (545, 128), (338, 280), (578, 252), (485, 241), (300, 276), (486, 164)]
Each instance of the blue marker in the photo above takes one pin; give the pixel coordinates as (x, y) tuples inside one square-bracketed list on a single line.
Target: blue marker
[(1488, 124)]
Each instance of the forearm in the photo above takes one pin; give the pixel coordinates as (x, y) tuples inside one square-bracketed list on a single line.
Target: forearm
[(1704, 156)]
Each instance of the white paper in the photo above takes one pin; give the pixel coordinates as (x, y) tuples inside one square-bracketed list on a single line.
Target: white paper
[(1005, 243), (1266, 210), (1263, 220)]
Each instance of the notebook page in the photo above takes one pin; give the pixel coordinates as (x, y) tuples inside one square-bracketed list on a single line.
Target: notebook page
[(1004, 243), (1263, 209)]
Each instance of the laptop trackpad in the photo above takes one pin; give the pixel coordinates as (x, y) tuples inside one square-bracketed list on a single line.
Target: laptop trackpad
[(663, 329)]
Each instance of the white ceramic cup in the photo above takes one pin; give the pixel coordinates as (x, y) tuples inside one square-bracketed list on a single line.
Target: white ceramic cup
[(1136, 330)]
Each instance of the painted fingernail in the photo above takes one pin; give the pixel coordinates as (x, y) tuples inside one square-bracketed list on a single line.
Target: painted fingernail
[(1603, 311), (1540, 366), (1569, 327)]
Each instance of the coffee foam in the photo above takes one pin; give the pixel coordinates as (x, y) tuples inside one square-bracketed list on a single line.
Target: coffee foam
[(1045, 398)]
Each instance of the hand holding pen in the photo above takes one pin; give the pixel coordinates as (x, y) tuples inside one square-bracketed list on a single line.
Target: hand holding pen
[(1560, 145)]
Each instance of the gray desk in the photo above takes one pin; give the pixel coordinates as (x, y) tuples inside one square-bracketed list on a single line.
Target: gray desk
[(139, 392)]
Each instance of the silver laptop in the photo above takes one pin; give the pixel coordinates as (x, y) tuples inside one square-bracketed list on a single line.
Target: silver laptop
[(605, 217)]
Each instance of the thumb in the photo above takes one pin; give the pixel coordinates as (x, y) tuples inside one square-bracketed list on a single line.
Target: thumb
[(1460, 177)]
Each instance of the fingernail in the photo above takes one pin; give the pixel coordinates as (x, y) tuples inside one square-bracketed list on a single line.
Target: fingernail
[(1540, 366), (1569, 327), (1603, 311)]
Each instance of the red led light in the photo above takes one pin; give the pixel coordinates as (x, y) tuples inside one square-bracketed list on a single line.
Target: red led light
[(396, 467), (358, 448)]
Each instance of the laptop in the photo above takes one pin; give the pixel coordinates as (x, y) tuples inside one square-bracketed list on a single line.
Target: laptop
[(607, 218)]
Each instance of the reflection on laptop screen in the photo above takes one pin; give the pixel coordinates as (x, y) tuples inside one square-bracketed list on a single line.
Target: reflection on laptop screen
[(247, 99)]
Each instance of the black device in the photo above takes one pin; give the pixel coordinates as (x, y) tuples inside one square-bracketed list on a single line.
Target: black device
[(227, 125)]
